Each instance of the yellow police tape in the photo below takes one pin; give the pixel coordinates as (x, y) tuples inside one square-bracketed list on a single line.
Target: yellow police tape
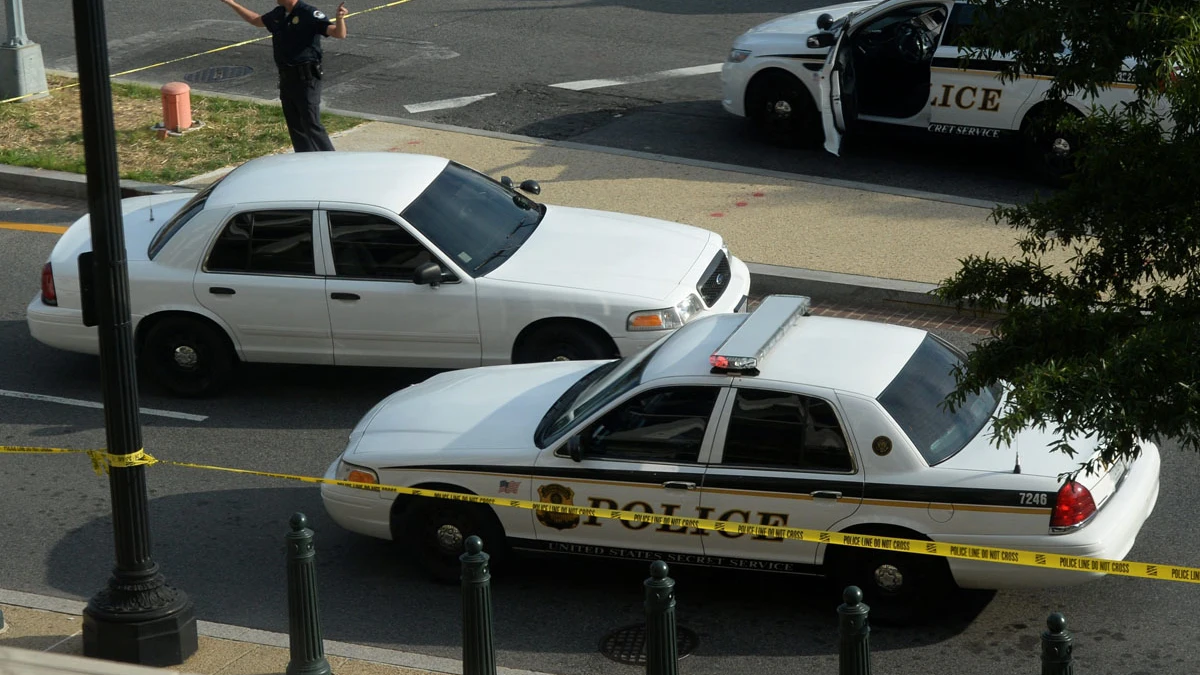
[(192, 56), (102, 460)]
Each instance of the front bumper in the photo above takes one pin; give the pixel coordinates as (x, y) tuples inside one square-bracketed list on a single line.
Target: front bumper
[(60, 327), (359, 511), (1110, 536), (734, 78)]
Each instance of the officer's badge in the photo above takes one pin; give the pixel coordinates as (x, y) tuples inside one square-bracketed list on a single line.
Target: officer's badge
[(557, 494), (295, 19)]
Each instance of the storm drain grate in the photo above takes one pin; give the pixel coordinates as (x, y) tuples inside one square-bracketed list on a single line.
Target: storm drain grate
[(628, 644), (218, 74)]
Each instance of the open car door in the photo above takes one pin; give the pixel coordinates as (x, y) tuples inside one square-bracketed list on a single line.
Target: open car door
[(839, 93)]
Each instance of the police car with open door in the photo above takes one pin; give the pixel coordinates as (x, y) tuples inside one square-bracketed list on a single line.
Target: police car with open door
[(813, 75), (775, 417)]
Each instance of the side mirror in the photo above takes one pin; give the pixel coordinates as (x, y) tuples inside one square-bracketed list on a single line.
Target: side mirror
[(821, 40), (506, 181), (428, 273), (825, 21), (531, 186), (575, 447)]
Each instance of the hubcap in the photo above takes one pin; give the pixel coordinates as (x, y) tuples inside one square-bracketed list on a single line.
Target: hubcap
[(185, 357), (449, 537), (782, 109), (562, 357), (889, 578), (1061, 147)]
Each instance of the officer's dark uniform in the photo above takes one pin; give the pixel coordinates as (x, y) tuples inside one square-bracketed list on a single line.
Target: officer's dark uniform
[(296, 39)]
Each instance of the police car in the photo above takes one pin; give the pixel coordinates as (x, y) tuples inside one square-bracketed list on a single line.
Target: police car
[(814, 74), (775, 417)]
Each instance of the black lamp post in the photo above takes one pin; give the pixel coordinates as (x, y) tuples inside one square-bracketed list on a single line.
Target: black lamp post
[(137, 617)]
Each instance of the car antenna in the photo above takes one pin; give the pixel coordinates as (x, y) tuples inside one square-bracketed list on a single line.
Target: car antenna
[(1017, 466), (151, 207)]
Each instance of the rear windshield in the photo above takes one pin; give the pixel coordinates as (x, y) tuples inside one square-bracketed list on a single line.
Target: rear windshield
[(914, 399), (182, 216)]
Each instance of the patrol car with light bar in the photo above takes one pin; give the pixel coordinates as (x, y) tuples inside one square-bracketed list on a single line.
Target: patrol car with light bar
[(815, 74), (775, 417)]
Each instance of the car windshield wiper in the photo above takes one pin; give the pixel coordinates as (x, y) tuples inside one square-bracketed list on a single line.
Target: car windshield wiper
[(495, 254)]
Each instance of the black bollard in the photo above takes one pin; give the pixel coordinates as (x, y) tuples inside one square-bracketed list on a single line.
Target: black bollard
[(479, 652), (3, 626), (855, 631), (304, 617), (1056, 647), (662, 650)]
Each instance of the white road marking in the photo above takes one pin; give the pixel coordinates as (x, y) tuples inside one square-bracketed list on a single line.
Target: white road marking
[(445, 103), (580, 85), (92, 404)]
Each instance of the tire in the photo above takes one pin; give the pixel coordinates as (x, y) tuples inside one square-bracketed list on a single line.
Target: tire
[(187, 357), (783, 112), (1049, 152), (561, 342), (898, 587), (436, 531)]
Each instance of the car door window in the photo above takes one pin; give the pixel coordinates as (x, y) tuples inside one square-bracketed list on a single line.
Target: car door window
[(777, 429), (661, 425), (373, 247), (265, 242)]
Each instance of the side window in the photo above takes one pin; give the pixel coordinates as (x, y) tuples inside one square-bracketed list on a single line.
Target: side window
[(660, 425), (265, 242), (373, 247), (962, 17), (775, 429)]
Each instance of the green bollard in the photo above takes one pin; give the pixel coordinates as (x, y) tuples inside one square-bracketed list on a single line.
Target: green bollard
[(304, 618), (662, 650), (855, 655), (479, 653), (1056, 647)]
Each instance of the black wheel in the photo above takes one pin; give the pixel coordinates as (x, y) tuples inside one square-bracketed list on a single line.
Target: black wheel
[(436, 531), (1049, 151), (561, 342), (187, 357), (783, 112), (898, 587)]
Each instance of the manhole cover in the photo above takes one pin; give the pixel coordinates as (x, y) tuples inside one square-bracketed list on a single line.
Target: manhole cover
[(628, 644), (218, 74)]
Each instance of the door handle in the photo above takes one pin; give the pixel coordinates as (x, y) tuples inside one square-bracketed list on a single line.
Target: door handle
[(344, 296), (221, 290), (679, 485), (826, 494)]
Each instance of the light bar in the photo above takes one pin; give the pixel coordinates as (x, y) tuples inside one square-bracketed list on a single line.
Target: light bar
[(759, 332)]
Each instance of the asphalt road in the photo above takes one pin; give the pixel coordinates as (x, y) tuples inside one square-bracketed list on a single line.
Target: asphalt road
[(517, 54), (220, 536)]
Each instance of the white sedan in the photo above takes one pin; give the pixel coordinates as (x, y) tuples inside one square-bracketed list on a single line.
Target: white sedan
[(385, 259), (773, 418), (814, 75)]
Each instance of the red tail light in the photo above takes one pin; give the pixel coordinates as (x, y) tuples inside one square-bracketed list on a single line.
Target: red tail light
[(1074, 506), (48, 295)]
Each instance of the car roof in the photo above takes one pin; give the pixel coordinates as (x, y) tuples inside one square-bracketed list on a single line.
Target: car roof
[(388, 180), (851, 355)]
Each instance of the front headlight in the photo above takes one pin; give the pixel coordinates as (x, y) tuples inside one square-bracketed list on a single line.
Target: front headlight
[(738, 55), (356, 474), (669, 318)]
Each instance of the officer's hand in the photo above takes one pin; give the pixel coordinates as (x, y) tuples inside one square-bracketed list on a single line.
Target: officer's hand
[(341, 10)]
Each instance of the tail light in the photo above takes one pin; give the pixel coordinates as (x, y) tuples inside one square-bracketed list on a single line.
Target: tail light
[(48, 295), (1073, 507)]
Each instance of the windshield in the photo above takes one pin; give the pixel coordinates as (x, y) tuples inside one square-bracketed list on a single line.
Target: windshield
[(474, 219), (182, 216), (914, 399), (596, 390)]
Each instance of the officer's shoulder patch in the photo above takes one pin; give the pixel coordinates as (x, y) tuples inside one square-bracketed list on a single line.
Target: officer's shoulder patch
[(318, 14)]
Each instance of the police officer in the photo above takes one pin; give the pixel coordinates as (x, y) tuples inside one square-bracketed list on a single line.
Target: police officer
[(296, 28)]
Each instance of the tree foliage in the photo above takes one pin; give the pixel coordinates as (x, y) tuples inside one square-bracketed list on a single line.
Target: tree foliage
[(1108, 342)]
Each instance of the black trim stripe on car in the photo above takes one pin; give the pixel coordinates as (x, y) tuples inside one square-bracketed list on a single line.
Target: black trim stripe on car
[(802, 57), (676, 558), (872, 494)]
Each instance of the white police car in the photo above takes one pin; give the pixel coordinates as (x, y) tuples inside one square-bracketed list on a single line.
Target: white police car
[(773, 417), (814, 74)]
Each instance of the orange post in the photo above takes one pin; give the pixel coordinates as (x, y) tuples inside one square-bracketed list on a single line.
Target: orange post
[(177, 106)]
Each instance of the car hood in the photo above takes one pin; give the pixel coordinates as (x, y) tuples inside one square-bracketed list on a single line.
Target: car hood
[(607, 252), (805, 23), (493, 409)]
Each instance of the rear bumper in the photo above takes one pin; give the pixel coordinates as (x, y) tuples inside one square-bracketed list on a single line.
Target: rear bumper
[(60, 327), (1110, 536)]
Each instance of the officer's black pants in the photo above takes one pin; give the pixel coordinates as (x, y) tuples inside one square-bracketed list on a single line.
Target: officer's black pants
[(300, 94)]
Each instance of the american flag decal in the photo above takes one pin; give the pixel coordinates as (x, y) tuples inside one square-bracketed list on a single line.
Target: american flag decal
[(509, 486)]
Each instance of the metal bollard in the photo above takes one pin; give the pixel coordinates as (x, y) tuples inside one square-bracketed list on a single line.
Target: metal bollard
[(304, 617), (1056, 647), (662, 650), (479, 652), (855, 632)]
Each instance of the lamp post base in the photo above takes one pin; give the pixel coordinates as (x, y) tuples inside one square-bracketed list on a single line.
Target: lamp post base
[(148, 623), (22, 72)]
